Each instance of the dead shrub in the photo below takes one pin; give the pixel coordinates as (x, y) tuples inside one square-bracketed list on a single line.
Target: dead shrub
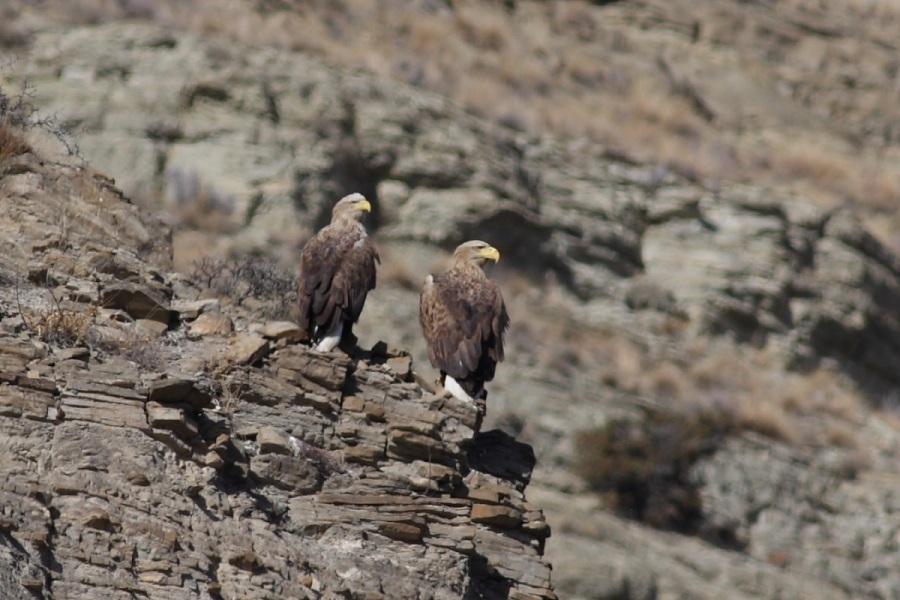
[(427, 35), (61, 327), (575, 19), (525, 74), (12, 142), (811, 162), (146, 352), (643, 465), (249, 277), (841, 435), (197, 205), (19, 118), (768, 418), (395, 271)]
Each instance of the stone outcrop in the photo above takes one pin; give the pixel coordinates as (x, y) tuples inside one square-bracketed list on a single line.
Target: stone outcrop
[(189, 463)]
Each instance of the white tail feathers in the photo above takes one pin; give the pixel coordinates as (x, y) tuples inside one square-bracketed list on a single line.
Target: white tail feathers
[(331, 339), (452, 386)]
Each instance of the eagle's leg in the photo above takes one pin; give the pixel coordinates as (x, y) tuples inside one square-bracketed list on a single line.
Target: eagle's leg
[(331, 339)]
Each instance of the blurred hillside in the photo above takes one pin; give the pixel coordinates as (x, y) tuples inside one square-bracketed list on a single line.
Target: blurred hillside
[(695, 204), (796, 93)]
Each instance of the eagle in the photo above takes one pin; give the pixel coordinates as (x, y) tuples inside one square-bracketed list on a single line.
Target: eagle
[(463, 319), (337, 271)]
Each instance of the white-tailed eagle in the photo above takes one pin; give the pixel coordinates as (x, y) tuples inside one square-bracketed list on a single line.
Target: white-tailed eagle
[(463, 319), (337, 271)]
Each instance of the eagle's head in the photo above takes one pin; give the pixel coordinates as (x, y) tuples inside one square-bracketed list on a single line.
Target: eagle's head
[(351, 207), (476, 252)]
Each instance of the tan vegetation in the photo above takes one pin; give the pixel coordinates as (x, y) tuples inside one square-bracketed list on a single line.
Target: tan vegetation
[(576, 69), (395, 271), (253, 282), (746, 388), (12, 142), (687, 407), (63, 327), (197, 205)]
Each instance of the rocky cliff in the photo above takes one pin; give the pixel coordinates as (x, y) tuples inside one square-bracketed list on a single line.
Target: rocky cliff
[(707, 373), (159, 442)]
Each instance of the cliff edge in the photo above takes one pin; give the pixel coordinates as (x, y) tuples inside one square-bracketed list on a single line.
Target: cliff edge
[(159, 441)]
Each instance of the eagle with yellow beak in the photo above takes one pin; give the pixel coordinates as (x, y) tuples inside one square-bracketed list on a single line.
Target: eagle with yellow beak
[(463, 319), (337, 271)]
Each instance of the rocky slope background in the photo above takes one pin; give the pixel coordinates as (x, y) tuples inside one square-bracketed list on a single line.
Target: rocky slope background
[(696, 218)]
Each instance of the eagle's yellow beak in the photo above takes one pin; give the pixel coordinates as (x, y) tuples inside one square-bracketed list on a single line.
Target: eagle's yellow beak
[(490, 253), (364, 206)]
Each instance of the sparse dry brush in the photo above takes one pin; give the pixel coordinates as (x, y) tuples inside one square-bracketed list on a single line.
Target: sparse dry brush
[(20, 118), (13, 121), (688, 407), (64, 328), (197, 205), (573, 68), (12, 141), (146, 352), (643, 465), (249, 278)]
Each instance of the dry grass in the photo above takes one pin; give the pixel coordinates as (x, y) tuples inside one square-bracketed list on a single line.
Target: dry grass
[(252, 281), (765, 399), (12, 142), (747, 387), (644, 465), (395, 271), (687, 407), (570, 68), (486, 30), (60, 327), (197, 205), (146, 352)]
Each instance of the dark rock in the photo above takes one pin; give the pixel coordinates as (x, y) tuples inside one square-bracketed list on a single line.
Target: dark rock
[(140, 302)]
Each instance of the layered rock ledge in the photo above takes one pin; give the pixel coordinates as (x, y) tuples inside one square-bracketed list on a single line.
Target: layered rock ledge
[(159, 445)]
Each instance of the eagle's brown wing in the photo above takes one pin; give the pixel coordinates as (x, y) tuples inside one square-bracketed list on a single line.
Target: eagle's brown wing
[(463, 323), (337, 271)]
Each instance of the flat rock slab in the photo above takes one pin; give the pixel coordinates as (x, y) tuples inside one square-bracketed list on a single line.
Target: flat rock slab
[(139, 301), (211, 323), (188, 310), (247, 349), (282, 330), (273, 441)]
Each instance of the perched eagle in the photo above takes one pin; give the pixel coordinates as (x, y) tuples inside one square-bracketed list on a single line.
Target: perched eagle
[(337, 271), (463, 318)]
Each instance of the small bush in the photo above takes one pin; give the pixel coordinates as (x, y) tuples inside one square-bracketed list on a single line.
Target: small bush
[(197, 205), (250, 277), (12, 142), (61, 327), (143, 351), (644, 465), (19, 117)]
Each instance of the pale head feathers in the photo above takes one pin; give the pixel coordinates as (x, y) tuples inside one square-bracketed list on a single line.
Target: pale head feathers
[(350, 207), (476, 252)]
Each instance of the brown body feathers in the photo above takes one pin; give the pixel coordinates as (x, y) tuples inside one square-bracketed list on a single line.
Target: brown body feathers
[(463, 319), (337, 271)]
